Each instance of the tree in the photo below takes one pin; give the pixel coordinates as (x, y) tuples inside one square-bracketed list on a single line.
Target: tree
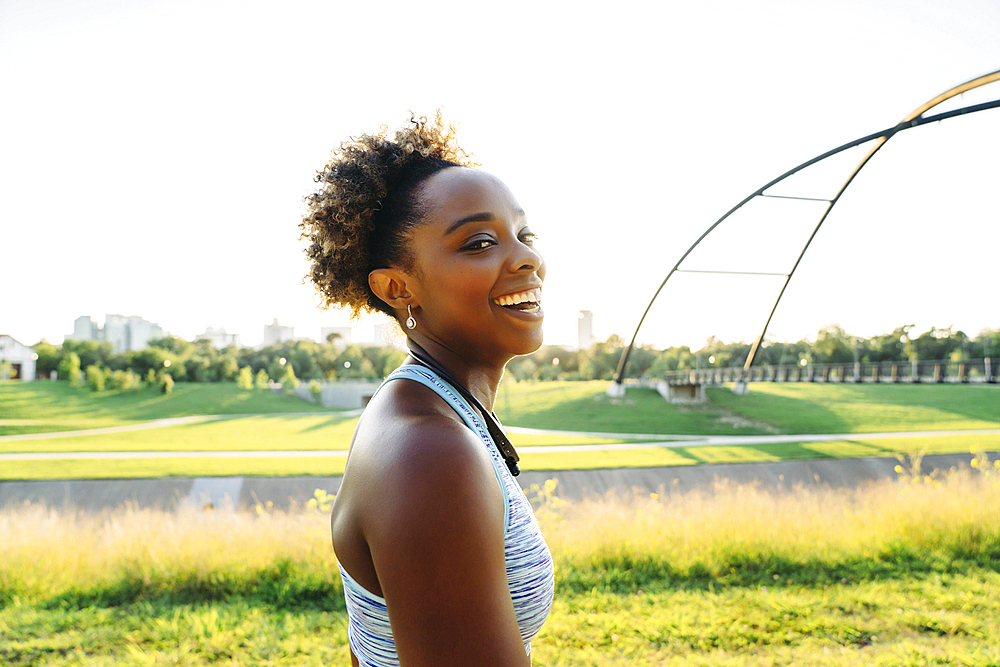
[(888, 347), (48, 360), (262, 380), (833, 346), (90, 352), (936, 344)]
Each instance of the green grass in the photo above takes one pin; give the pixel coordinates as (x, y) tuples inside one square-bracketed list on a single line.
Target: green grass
[(894, 574), (583, 406), (541, 461), (37, 407), (859, 408)]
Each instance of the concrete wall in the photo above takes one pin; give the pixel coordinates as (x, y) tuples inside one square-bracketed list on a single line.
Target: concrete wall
[(341, 394)]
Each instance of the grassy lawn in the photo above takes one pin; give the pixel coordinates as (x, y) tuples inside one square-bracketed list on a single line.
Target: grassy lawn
[(583, 406), (858, 408), (38, 407), (271, 424), (894, 574)]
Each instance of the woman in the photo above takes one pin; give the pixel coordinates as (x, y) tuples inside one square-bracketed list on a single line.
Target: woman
[(441, 558)]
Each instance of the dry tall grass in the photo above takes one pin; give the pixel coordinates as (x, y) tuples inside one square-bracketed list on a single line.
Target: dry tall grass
[(46, 552)]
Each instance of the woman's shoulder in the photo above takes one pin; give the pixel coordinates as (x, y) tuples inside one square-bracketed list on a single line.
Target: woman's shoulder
[(410, 436)]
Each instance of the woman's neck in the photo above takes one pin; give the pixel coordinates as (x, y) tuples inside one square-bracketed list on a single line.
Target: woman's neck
[(480, 379)]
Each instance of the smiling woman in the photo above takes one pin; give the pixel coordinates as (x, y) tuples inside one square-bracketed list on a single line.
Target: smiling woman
[(442, 560)]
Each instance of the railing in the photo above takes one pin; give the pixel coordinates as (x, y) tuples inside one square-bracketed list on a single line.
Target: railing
[(968, 371)]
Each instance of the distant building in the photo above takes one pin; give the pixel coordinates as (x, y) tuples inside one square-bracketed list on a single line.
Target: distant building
[(585, 330), (219, 338), (123, 332), (276, 333), (342, 340), (21, 358), (85, 328)]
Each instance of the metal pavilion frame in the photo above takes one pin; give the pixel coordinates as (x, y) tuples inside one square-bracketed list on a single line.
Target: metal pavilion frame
[(915, 119)]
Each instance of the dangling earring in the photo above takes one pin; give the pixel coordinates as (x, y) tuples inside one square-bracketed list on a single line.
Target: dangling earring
[(410, 322)]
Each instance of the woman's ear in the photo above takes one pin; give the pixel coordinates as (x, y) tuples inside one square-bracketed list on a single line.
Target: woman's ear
[(390, 286)]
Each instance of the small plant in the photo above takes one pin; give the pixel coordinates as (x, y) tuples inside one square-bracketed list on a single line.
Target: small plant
[(548, 506), (910, 469), (981, 463), (316, 391), (166, 383), (321, 501)]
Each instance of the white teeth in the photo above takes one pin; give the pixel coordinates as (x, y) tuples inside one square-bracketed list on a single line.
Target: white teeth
[(534, 296)]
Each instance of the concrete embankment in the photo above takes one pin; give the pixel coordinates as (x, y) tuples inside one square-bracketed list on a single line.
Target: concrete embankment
[(174, 492)]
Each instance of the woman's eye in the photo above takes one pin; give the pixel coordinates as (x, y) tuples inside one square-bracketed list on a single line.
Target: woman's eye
[(479, 244), (529, 238)]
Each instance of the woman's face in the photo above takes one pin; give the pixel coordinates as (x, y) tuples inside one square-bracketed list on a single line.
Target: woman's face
[(477, 277)]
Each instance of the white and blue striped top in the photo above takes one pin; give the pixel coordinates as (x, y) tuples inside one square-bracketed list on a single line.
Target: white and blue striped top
[(529, 563)]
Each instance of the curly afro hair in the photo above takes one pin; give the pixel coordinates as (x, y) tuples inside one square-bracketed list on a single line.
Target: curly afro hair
[(366, 205)]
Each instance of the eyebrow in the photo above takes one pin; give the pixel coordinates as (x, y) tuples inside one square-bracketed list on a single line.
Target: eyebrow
[(485, 216)]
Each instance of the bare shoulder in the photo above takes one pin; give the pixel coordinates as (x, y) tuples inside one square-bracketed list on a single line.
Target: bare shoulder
[(410, 429)]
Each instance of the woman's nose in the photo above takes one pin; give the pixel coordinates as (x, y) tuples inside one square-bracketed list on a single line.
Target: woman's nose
[(526, 258)]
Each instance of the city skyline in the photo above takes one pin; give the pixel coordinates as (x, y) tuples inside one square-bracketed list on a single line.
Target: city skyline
[(147, 177), (276, 332)]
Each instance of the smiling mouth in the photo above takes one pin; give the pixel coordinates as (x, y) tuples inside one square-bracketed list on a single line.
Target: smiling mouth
[(528, 301)]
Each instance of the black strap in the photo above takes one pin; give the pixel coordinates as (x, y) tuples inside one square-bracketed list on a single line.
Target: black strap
[(500, 439)]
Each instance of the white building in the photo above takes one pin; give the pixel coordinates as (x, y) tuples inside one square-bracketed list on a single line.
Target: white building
[(276, 333), (219, 337), (21, 358), (123, 332), (84, 328), (585, 330)]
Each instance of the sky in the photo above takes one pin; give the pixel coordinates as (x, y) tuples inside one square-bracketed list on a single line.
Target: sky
[(154, 155)]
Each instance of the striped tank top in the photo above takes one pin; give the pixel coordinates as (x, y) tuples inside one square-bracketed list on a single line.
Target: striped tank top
[(529, 563)]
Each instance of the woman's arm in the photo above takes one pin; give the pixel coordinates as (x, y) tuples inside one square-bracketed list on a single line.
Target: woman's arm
[(437, 544)]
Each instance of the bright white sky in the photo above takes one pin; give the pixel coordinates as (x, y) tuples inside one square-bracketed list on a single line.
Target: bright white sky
[(154, 154)]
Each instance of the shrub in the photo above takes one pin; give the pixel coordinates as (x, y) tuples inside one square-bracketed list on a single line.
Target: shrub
[(289, 383), (244, 380), (69, 369), (166, 384), (316, 391), (124, 380), (262, 379), (96, 377)]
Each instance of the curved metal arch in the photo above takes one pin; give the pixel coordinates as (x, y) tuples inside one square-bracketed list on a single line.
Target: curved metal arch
[(914, 119)]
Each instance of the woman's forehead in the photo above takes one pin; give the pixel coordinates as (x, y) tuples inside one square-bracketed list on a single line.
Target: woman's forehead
[(458, 192)]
